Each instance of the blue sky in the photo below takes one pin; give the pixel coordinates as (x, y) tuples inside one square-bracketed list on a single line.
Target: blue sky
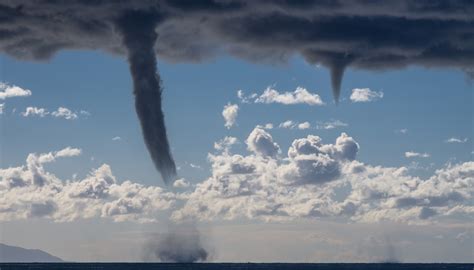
[(433, 105)]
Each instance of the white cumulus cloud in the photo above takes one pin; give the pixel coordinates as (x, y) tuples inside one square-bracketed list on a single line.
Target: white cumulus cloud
[(181, 183), (29, 191), (65, 113), (261, 142), (230, 114), (304, 125), (270, 95), (9, 91), (308, 184)]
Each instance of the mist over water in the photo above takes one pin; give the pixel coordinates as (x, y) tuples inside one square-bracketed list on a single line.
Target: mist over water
[(180, 243)]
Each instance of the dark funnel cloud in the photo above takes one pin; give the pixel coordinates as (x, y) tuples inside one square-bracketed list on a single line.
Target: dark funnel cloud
[(370, 35), (139, 37)]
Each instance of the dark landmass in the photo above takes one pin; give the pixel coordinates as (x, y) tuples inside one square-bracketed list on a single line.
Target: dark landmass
[(22, 255)]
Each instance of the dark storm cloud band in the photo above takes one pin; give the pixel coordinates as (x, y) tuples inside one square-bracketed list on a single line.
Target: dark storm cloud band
[(375, 35)]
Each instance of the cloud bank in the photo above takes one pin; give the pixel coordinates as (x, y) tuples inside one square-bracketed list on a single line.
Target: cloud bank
[(312, 180), (317, 180), (29, 191)]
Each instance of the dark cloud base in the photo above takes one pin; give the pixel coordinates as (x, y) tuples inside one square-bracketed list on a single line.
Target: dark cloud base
[(374, 35)]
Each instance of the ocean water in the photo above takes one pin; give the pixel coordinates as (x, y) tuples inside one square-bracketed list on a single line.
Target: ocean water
[(235, 266)]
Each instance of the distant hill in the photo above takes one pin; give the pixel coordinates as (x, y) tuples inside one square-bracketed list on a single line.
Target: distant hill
[(18, 254)]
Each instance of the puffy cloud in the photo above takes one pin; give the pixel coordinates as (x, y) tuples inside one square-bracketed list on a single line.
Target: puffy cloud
[(230, 114), (299, 96), (304, 125), (268, 126), (35, 111), (314, 162), (261, 142), (116, 138), (331, 124), (65, 113), (181, 183), (30, 191), (291, 125), (411, 154), (287, 124), (365, 95), (225, 143), (456, 140), (9, 91), (391, 194)]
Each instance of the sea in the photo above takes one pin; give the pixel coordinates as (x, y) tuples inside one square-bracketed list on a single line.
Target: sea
[(236, 266)]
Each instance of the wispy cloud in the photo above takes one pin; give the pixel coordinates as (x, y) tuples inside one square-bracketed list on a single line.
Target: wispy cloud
[(289, 124), (61, 112), (116, 138), (456, 140), (331, 124), (365, 95), (402, 131), (35, 111), (411, 154), (65, 113), (299, 96)]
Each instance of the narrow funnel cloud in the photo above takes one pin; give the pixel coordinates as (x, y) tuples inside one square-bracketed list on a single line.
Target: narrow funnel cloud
[(337, 72), (139, 37)]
